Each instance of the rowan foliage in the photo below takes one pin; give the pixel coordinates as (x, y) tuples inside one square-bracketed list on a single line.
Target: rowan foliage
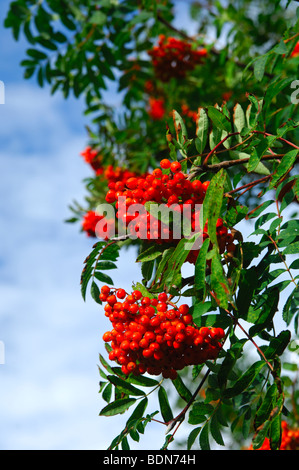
[(208, 123)]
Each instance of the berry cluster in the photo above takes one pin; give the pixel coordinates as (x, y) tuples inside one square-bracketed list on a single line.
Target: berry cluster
[(110, 175), (186, 111), (289, 439), (156, 108), (174, 190), (89, 224), (154, 336), (94, 159), (295, 51), (174, 58)]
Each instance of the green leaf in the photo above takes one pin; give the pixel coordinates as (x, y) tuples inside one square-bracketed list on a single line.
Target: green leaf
[(202, 128), (239, 120), (213, 203), (266, 406), (181, 131), (102, 265), (275, 88), (259, 151), (247, 285), (259, 66), (200, 408), (181, 388), (149, 254), (275, 433), (107, 393), (219, 283), (176, 260), (278, 344), (204, 437), (117, 407), (261, 435), (232, 355), (245, 380), (142, 380), (200, 270), (215, 430), (219, 119), (165, 408), (98, 18), (291, 306), (269, 304), (95, 292), (124, 387), (284, 166), (138, 412), (198, 309), (102, 277), (192, 437), (39, 55)]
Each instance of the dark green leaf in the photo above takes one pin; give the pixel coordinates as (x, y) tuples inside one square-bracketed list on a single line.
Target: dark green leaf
[(204, 437), (102, 277), (284, 166), (124, 386), (192, 437), (200, 270), (245, 380), (219, 119), (278, 344), (181, 388), (165, 408), (202, 127), (117, 407), (215, 431)]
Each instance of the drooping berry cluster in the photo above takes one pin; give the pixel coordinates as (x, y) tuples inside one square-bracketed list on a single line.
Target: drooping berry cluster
[(94, 159), (186, 111), (154, 336), (173, 57), (110, 175), (175, 191), (289, 439), (89, 225), (156, 108)]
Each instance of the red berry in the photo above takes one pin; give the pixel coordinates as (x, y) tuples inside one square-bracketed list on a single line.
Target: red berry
[(205, 186), (165, 163), (105, 290), (162, 297), (175, 166), (121, 293)]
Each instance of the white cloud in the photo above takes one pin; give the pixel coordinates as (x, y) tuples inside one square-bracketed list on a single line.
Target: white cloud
[(49, 382)]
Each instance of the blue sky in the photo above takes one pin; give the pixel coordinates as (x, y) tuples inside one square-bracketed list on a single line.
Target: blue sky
[(49, 383)]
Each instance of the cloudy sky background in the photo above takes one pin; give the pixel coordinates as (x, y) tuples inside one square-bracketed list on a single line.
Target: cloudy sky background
[(49, 383)]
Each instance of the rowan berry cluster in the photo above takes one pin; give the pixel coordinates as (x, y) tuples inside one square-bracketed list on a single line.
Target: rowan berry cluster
[(289, 439), (186, 111), (173, 190), (89, 224), (295, 51), (154, 336), (94, 159), (174, 58), (110, 175), (156, 108)]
